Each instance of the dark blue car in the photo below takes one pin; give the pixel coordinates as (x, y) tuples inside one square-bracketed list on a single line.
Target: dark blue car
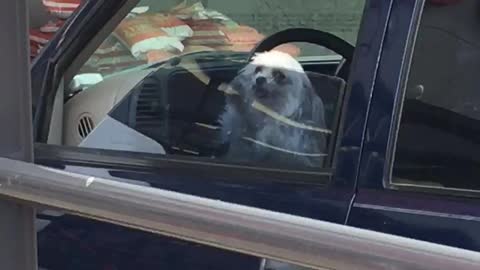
[(133, 91)]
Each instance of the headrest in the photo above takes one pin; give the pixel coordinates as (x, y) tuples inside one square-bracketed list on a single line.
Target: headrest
[(327, 87)]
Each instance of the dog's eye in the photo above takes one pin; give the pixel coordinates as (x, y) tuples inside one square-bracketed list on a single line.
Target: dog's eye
[(258, 69), (278, 75)]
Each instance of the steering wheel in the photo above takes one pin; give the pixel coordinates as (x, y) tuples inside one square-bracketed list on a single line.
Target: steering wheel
[(312, 36)]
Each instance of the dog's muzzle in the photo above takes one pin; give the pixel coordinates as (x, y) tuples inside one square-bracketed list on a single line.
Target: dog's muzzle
[(259, 88)]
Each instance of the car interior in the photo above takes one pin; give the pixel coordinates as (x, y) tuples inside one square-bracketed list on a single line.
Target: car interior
[(178, 109), (441, 102)]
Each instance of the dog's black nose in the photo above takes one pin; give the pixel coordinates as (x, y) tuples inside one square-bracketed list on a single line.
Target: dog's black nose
[(261, 80)]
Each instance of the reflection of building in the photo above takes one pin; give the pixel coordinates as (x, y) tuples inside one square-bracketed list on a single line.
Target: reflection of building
[(268, 16), (260, 17), (340, 17)]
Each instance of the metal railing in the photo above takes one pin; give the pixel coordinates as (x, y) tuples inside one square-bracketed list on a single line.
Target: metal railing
[(283, 237)]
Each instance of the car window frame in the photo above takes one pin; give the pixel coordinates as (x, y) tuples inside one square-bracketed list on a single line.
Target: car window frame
[(388, 180), (79, 157), (61, 53)]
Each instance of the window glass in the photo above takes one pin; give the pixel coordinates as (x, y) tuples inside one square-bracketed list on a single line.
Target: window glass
[(174, 78), (438, 143)]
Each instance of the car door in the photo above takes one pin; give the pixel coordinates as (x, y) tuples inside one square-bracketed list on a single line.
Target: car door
[(419, 171), (324, 193)]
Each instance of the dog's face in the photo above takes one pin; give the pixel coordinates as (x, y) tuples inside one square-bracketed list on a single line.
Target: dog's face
[(276, 80)]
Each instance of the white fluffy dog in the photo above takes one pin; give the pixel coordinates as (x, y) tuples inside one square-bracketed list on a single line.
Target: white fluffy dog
[(273, 114)]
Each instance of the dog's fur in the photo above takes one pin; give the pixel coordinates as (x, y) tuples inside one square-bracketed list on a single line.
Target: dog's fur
[(278, 81)]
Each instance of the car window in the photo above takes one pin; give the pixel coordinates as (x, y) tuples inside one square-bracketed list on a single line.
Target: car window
[(175, 79), (438, 143)]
